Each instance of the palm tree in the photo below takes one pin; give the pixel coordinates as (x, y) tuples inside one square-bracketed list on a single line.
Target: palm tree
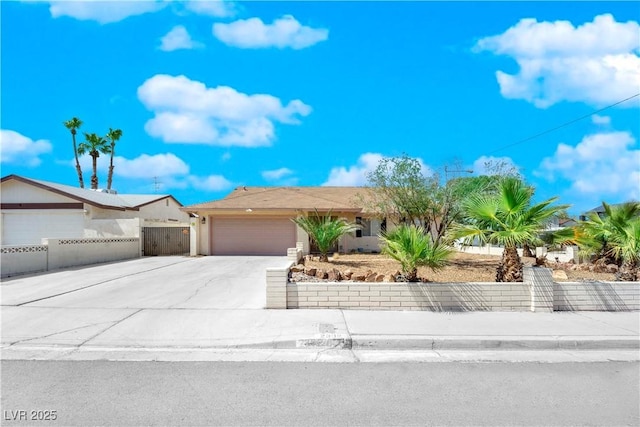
[(614, 236), (507, 218), (73, 125), (412, 247), (94, 145), (325, 230), (113, 136)]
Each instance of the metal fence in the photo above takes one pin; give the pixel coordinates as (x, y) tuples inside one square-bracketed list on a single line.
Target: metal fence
[(165, 241)]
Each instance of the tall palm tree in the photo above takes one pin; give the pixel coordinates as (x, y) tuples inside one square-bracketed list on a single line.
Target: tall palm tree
[(73, 125), (94, 145), (325, 230), (615, 236), (113, 136), (508, 218), (413, 246)]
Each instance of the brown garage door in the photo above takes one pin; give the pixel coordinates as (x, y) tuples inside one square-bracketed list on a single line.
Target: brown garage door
[(255, 236)]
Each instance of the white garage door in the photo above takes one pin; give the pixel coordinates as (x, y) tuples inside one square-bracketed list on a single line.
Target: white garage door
[(255, 236), (29, 227)]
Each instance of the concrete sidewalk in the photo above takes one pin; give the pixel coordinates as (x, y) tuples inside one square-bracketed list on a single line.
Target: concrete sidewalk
[(105, 333)]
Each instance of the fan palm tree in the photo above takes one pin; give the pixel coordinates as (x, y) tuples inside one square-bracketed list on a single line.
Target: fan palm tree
[(73, 125), (113, 136), (507, 218), (325, 230), (615, 235), (94, 145), (413, 247)]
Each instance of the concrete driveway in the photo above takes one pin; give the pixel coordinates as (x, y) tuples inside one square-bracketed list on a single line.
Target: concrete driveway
[(156, 302), (156, 282)]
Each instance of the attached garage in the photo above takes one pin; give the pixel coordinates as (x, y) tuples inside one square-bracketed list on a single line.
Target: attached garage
[(252, 236)]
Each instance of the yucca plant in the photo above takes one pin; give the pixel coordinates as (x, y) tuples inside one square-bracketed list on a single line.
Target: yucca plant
[(508, 218), (325, 230), (413, 247)]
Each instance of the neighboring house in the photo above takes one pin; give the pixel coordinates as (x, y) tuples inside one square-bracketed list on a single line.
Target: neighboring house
[(257, 220), (33, 209), (599, 210)]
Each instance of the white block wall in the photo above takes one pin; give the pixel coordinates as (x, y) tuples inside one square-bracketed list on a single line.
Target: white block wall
[(411, 296), (596, 296)]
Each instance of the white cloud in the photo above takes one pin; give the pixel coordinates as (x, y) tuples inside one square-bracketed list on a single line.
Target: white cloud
[(596, 63), (601, 120), (606, 164), (103, 11), (146, 166), (282, 176), (274, 175), (186, 111), (490, 165), (356, 175), (178, 38), (18, 149), (169, 170), (218, 9), (110, 11), (209, 183), (282, 33)]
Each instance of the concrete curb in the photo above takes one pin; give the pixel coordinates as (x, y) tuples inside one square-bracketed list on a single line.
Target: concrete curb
[(400, 342), (396, 342)]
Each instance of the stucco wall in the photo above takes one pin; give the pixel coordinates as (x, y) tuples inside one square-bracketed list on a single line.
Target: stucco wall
[(73, 252), (112, 228), (22, 259), (61, 253)]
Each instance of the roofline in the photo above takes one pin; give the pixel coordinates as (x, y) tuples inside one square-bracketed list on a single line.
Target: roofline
[(64, 193), (167, 196), (197, 209)]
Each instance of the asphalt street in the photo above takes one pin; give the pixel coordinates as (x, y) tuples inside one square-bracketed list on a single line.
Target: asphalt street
[(280, 393)]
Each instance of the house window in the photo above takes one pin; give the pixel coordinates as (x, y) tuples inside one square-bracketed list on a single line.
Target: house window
[(366, 227)]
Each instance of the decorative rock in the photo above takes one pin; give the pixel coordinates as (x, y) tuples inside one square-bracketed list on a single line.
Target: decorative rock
[(371, 277), (334, 275), (389, 278), (297, 268), (612, 268), (347, 274), (358, 278), (310, 271), (321, 274), (559, 274), (380, 278)]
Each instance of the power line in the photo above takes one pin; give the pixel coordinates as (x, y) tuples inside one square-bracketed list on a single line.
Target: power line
[(563, 125)]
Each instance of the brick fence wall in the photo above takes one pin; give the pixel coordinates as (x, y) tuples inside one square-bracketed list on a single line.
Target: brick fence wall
[(405, 296), (538, 292)]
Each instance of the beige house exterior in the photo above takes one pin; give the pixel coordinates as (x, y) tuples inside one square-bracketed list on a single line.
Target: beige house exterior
[(257, 220), (33, 210)]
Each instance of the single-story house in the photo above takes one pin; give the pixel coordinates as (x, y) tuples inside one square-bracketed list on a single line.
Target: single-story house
[(600, 210), (257, 220), (33, 209)]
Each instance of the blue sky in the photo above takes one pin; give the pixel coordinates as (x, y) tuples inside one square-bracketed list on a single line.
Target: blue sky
[(213, 95)]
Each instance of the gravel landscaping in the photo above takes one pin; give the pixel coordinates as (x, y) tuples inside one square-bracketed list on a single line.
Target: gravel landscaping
[(462, 268)]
